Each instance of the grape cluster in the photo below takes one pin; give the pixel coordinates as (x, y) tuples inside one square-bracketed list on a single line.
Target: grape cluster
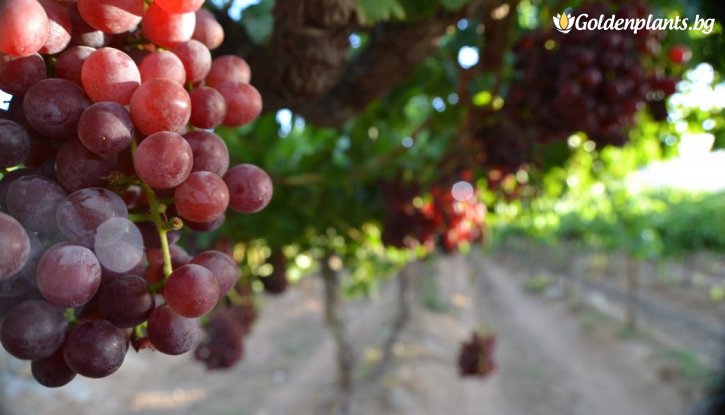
[(445, 216), (107, 150), (589, 81), (476, 356), (276, 283)]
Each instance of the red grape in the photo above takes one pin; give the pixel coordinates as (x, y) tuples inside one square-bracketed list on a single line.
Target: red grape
[(162, 64), (70, 63), (25, 27), (53, 106), (95, 349), (680, 54), (33, 200), (250, 188), (14, 246), (207, 30), (222, 266), (111, 16), (68, 275), (167, 29), (33, 329), (210, 152), (118, 245), (180, 6), (52, 371), (172, 333), (203, 197), (110, 75), (83, 211), (126, 301), (175, 153), (105, 128), (160, 105), (228, 68), (196, 59), (244, 103), (191, 290), (59, 25), (208, 107), (77, 168), (83, 34), (17, 75)]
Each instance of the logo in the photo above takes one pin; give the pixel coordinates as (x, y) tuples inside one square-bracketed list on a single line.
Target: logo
[(563, 22)]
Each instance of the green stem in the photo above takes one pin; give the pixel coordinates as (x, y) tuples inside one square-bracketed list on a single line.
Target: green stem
[(155, 210), (70, 316)]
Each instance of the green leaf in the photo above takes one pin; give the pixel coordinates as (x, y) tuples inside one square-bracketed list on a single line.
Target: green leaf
[(371, 11), (453, 4)]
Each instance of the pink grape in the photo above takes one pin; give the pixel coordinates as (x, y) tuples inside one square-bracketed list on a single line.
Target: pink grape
[(176, 154), (110, 75), (162, 64), (68, 275), (210, 152), (228, 68), (208, 107), (244, 103), (222, 266), (207, 30), (25, 27), (160, 105), (180, 6), (171, 333), (191, 290), (250, 188), (167, 29), (14, 246), (111, 16), (59, 28), (203, 197), (196, 59)]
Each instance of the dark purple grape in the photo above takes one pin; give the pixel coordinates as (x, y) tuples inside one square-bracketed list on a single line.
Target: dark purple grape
[(33, 329), (33, 200), (68, 275), (118, 245), (83, 211), (95, 349), (105, 128), (14, 143), (22, 283), (14, 246), (17, 75), (77, 167), (126, 301), (191, 290), (52, 371), (171, 333), (53, 106)]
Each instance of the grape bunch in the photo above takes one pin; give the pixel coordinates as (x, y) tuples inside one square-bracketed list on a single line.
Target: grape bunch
[(449, 216), (583, 81), (276, 283), (476, 356), (107, 151)]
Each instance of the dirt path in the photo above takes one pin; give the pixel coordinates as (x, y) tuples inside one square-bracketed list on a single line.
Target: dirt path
[(549, 362)]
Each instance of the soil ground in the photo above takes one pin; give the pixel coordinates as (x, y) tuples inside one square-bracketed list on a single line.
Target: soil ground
[(552, 359)]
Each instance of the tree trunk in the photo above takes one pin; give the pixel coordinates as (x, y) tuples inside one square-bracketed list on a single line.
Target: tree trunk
[(632, 292), (400, 321), (336, 323)]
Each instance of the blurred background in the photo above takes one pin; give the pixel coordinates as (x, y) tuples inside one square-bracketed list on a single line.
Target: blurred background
[(473, 213)]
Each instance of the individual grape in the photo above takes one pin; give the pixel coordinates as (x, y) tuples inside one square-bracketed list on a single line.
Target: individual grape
[(171, 333), (17, 75), (22, 283), (83, 211), (126, 301), (52, 371), (203, 197), (53, 106), (176, 154), (7, 180), (196, 59), (208, 107), (14, 246), (210, 152), (70, 63), (162, 64), (111, 16), (207, 30), (25, 27), (205, 226), (110, 75), (244, 103), (68, 275), (228, 68), (250, 188), (180, 6), (222, 266), (83, 34), (95, 349), (33, 200), (33, 329), (167, 29), (155, 273), (191, 290), (77, 168), (160, 105), (105, 128), (14, 144), (223, 346), (59, 28), (118, 244)]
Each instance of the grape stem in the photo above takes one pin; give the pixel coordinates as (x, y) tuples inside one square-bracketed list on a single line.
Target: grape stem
[(70, 316), (155, 210)]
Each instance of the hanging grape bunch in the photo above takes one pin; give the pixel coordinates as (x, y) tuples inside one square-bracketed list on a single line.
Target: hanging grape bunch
[(106, 152), (475, 358), (589, 81)]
